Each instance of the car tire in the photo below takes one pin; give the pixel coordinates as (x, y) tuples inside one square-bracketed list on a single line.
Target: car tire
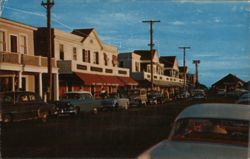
[(126, 106), (43, 115), (95, 111), (7, 118), (77, 111)]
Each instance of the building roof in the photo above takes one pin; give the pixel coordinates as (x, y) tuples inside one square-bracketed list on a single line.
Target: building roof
[(20, 24), (230, 78), (145, 54), (82, 32), (168, 61), (181, 69)]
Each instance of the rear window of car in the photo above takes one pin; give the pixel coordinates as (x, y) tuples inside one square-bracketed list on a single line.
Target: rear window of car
[(222, 131)]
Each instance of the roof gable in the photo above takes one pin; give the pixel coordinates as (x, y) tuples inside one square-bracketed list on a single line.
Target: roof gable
[(88, 33), (145, 54), (168, 61), (230, 78)]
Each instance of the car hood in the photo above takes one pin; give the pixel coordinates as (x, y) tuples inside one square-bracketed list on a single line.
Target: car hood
[(190, 150)]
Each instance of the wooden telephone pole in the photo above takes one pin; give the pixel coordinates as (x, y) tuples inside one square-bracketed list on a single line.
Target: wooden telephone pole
[(48, 5), (151, 44), (184, 63), (196, 62)]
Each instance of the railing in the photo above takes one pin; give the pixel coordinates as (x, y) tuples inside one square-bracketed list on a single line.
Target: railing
[(164, 78), (18, 58), (67, 66), (13, 58)]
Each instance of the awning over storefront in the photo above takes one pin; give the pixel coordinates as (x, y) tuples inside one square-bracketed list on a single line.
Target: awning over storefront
[(128, 81), (93, 79)]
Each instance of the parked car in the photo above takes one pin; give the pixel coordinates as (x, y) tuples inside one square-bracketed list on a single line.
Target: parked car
[(114, 102), (156, 98), (76, 102), (206, 131), (183, 95), (23, 105), (137, 97), (198, 94), (244, 98)]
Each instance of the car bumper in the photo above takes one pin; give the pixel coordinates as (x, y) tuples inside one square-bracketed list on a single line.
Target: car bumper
[(65, 111)]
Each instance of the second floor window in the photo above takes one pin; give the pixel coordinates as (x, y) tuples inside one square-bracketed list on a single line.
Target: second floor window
[(23, 44), (61, 49), (74, 53), (106, 59), (137, 66), (85, 55), (13, 43), (96, 58), (2, 41)]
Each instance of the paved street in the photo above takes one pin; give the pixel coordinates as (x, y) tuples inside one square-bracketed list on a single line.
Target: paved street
[(122, 134)]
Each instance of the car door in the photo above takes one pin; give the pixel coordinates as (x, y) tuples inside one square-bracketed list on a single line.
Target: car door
[(35, 103), (24, 105)]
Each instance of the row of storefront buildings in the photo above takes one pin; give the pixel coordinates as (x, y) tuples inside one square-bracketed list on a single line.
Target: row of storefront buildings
[(80, 61)]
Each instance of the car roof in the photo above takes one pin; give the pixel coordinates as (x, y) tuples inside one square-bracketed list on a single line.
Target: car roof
[(78, 92), (216, 110)]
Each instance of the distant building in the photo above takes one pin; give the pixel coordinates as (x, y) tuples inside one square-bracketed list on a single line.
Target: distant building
[(139, 64), (229, 83), (170, 66), (20, 68), (84, 61)]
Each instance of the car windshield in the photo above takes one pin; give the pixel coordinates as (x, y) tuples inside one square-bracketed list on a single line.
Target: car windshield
[(232, 132), (133, 92), (71, 96)]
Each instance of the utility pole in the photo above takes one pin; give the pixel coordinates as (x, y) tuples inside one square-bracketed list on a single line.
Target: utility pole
[(48, 5), (196, 62), (151, 44), (184, 63)]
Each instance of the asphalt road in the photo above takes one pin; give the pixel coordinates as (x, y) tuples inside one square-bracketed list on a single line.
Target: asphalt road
[(123, 134)]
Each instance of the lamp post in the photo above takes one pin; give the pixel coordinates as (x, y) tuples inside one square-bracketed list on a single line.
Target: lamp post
[(48, 4)]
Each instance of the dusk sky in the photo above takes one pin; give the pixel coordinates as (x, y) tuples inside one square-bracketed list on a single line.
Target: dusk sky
[(217, 31)]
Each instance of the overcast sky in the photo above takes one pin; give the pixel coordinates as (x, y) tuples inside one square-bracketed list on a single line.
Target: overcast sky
[(217, 31)]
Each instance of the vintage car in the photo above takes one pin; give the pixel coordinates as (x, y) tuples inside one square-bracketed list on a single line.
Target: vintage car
[(206, 131), (76, 102), (22, 105), (156, 98), (244, 98), (138, 97), (115, 102)]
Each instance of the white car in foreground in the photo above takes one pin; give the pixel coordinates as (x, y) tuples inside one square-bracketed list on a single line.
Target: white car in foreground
[(207, 131)]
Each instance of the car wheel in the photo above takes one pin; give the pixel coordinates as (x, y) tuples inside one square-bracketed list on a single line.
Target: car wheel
[(95, 111), (43, 116), (77, 111), (126, 106), (7, 118)]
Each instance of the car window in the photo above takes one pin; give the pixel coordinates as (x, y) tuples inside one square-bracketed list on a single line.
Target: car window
[(87, 96), (71, 96), (23, 98), (233, 132), (8, 98)]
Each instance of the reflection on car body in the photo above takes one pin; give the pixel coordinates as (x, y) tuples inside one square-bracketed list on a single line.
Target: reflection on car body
[(206, 131)]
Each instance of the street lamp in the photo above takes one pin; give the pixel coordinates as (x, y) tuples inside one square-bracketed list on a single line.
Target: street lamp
[(48, 4)]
